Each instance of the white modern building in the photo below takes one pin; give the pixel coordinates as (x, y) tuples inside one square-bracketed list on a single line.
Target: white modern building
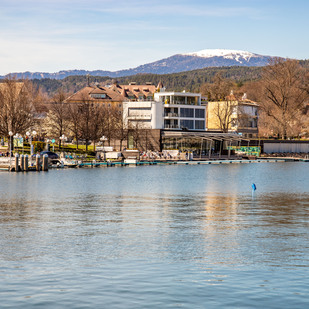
[(168, 111)]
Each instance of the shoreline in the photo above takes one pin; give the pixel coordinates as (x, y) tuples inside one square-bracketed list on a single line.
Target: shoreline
[(5, 166)]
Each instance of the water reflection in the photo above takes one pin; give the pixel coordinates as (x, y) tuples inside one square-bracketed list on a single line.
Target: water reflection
[(155, 228)]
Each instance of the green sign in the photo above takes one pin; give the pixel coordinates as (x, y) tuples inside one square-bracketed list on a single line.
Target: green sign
[(53, 141), (249, 150)]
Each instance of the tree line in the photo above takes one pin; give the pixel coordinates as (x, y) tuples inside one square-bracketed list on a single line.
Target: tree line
[(281, 91), (84, 121)]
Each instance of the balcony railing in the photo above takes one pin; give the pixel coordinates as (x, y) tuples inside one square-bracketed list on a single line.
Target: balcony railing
[(171, 126), (171, 115), (133, 117)]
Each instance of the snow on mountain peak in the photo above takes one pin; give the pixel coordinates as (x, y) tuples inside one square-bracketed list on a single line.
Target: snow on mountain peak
[(225, 53)]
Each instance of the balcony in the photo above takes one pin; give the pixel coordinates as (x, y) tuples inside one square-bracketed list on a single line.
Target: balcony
[(171, 115), (171, 126), (139, 117)]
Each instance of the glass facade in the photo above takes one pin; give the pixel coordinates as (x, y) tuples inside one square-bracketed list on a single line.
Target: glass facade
[(192, 100), (187, 112), (189, 124), (199, 124), (200, 113)]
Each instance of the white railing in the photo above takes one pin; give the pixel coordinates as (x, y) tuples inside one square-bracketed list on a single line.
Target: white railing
[(171, 126), (171, 115), (139, 117)]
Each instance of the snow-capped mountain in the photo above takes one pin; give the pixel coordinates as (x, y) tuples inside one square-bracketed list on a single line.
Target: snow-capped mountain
[(238, 55), (177, 63)]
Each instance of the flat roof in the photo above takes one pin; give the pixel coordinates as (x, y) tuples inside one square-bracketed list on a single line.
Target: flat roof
[(192, 94)]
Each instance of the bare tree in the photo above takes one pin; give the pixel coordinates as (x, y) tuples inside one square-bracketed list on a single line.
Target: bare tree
[(56, 122), (91, 121), (119, 132), (97, 122), (109, 124), (136, 130), (219, 89), (74, 121), (17, 106), (222, 106), (224, 112), (284, 93)]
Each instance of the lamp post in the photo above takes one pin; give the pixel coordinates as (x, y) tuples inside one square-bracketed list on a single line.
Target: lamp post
[(17, 136), (29, 134), (103, 139), (10, 134), (63, 138)]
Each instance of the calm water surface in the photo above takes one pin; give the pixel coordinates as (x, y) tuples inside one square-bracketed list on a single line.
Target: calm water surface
[(156, 237)]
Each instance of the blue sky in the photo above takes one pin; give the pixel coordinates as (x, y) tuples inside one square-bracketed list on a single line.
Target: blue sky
[(53, 35)]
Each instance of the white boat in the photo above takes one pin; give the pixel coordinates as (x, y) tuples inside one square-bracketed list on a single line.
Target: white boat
[(130, 161)]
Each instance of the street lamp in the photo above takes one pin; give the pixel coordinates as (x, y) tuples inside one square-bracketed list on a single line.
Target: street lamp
[(29, 134), (103, 139), (11, 134), (17, 136), (63, 138)]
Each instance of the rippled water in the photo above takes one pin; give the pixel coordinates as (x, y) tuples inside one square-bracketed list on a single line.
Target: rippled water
[(156, 237)]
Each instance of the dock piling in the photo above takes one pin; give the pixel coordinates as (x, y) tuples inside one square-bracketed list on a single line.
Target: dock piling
[(16, 162), (26, 163), (45, 163), (37, 162), (22, 163)]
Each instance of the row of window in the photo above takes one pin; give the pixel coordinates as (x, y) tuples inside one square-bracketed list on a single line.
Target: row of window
[(189, 113), (191, 124), (184, 123), (181, 100)]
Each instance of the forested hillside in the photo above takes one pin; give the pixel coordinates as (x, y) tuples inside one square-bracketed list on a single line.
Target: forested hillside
[(189, 81)]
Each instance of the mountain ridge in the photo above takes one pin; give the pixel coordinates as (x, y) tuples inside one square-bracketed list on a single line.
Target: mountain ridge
[(173, 64)]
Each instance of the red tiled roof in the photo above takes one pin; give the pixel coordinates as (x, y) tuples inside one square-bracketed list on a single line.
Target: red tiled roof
[(116, 93), (86, 93)]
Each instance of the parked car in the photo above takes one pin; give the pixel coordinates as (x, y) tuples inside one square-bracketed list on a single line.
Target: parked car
[(53, 158)]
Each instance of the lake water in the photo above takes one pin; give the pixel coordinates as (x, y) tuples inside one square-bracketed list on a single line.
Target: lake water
[(172, 236)]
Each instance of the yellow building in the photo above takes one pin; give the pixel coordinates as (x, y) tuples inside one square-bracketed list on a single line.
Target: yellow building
[(233, 115)]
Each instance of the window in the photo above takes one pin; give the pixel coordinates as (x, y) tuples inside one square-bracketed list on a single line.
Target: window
[(187, 112), (199, 124), (139, 111), (179, 100), (189, 124), (192, 100), (166, 99), (98, 95), (199, 113)]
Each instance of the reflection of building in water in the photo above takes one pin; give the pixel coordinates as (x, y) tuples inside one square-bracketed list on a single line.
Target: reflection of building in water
[(221, 228), (222, 208)]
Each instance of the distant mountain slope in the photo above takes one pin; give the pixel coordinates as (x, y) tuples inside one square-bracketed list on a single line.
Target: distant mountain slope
[(189, 80), (174, 64)]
